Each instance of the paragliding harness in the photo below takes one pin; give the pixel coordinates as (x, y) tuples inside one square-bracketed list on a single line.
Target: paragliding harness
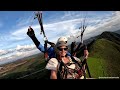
[(83, 28), (64, 70), (82, 47), (72, 47)]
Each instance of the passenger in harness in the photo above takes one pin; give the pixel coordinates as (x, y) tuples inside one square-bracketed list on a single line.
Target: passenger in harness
[(64, 66)]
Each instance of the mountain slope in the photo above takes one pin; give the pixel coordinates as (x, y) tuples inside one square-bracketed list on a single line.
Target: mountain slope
[(118, 31), (111, 36), (104, 57), (29, 68)]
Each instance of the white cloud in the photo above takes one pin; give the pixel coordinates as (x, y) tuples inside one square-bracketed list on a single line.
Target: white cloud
[(20, 31), (19, 48), (2, 52), (111, 23), (17, 53), (25, 20), (25, 47), (66, 27), (62, 28)]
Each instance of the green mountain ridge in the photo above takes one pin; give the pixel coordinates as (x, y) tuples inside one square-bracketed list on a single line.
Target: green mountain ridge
[(112, 36), (104, 57)]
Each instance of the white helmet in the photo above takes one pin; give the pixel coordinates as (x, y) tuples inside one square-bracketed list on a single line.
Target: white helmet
[(64, 39)]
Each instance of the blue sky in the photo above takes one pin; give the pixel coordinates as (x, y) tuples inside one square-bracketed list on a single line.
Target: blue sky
[(14, 25)]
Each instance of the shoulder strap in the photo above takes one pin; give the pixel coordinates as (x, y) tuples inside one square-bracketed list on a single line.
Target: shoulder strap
[(82, 62), (66, 71), (60, 74), (80, 65), (73, 59)]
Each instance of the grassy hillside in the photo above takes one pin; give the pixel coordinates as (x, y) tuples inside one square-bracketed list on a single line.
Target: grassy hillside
[(111, 36), (33, 64), (104, 59)]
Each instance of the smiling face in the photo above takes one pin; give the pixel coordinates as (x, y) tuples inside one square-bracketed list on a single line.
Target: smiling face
[(62, 51)]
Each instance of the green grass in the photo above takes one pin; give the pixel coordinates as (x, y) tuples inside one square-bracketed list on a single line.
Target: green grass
[(104, 57), (32, 65), (96, 67), (18, 74)]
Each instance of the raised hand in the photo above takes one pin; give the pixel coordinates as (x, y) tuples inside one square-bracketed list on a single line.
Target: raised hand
[(30, 32)]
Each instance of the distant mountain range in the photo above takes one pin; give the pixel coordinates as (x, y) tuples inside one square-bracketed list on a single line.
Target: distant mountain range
[(105, 34), (118, 31)]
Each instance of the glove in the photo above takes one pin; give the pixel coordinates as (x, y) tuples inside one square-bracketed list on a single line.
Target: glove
[(30, 32)]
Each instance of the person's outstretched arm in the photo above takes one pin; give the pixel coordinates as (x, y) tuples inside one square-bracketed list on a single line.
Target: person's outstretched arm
[(31, 34), (51, 43)]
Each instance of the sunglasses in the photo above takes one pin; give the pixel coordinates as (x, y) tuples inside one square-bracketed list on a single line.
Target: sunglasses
[(60, 49)]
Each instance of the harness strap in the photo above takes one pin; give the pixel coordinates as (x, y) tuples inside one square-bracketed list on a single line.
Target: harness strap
[(64, 74)]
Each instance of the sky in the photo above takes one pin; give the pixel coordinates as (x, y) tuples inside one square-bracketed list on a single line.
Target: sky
[(15, 44)]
